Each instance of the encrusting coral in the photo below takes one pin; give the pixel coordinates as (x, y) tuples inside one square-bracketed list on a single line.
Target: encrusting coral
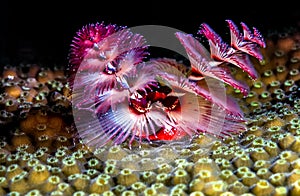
[(42, 154)]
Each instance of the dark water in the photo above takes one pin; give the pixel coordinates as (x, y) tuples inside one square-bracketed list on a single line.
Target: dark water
[(42, 32)]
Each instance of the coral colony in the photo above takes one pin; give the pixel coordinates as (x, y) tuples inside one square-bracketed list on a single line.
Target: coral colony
[(158, 99)]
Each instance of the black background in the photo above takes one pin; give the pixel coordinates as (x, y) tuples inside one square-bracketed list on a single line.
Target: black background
[(41, 32)]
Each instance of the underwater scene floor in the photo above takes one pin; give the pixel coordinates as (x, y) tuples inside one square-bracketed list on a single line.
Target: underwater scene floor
[(42, 153)]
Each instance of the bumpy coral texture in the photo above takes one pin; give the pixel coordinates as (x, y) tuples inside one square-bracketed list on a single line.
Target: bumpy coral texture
[(158, 99)]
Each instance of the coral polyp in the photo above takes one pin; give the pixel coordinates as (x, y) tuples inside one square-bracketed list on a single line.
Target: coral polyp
[(157, 99)]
